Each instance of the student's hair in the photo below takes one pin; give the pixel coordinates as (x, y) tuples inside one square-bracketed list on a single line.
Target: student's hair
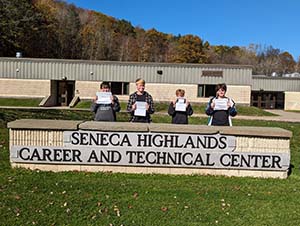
[(140, 81), (221, 86), (105, 85), (180, 92)]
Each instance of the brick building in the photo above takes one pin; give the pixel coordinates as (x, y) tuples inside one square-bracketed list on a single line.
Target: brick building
[(62, 82)]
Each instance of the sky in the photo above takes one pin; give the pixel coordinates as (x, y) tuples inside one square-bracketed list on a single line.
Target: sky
[(266, 23)]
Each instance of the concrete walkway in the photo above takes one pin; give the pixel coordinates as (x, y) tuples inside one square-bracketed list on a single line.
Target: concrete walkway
[(286, 116), (282, 116)]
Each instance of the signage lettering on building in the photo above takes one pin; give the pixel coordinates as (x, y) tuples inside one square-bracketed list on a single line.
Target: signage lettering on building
[(212, 73)]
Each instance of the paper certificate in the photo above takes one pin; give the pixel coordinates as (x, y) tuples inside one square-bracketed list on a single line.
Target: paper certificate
[(140, 108), (103, 97), (221, 104), (180, 105)]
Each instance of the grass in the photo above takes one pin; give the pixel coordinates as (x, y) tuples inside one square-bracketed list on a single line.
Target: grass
[(159, 106), (296, 111), (198, 108), (253, 111), (20, 102), (83, 104), (84, 198)]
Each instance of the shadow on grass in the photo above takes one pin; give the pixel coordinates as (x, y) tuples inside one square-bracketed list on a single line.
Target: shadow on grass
[(290, 169)]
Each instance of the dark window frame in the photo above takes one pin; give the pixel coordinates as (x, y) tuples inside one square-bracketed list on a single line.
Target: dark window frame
[(207, 90), (119, 88)]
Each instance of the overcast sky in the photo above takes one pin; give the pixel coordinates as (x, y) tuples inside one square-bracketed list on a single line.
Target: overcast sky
[(220, 22)]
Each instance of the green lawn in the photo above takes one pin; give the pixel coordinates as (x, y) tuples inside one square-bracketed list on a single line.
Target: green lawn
[(198, 108), (20, 102), (83, 198), (159, 106)]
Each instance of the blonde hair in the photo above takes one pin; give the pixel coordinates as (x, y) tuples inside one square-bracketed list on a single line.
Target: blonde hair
[(180, 92), (140, 81)]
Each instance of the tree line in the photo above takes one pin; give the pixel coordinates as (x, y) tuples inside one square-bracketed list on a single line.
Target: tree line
[(55, 29)]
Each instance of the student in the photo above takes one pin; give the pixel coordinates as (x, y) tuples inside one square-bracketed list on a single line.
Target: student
[(221, 108), (105, 106), (140, 104), (180, 115)]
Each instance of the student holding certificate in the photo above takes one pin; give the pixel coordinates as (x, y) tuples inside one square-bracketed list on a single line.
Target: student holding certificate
[(105, 105), (221, 108), (180, 108), (140, 104)]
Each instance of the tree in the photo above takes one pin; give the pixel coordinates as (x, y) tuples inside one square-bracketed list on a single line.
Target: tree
[(68, 31), (98, 38), (189, 49), (154, 46), (21, 28), (287, 63), (125, 39), (55, 29), (297, 67), (248, 55), (268, 60)]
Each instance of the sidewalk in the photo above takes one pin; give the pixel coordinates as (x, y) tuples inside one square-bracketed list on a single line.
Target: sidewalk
[(286, 116)]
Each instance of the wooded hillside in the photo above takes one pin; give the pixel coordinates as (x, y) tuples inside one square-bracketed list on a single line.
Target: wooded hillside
[(55, 29)]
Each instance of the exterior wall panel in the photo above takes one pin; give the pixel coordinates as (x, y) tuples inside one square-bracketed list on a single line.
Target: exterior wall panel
[(276, 84), (24, 88), (87, 89), (292, 101), (88, 74), (121, 71), (240, 94)]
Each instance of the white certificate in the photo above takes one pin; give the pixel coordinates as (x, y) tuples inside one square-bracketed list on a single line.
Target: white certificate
[(221, 104), (140, 108), (103, 97), (180, 105)]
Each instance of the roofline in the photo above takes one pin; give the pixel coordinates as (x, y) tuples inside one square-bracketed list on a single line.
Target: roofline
[(129, 63)]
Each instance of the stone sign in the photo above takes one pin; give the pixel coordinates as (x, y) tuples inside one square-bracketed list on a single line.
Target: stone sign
[(150, 149)]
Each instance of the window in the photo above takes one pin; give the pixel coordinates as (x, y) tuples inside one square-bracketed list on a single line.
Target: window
[(206, 90), (120, 88)]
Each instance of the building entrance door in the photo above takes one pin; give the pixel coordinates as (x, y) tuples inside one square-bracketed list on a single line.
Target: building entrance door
[(267, 99), (65, 92)]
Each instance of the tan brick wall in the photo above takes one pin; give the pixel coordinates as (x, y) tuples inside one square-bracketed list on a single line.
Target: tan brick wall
[(292, 101), (240, 94), (24, 88), (265, 145), (159, 92), (166, 92), (86, 89), (36, 137)]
